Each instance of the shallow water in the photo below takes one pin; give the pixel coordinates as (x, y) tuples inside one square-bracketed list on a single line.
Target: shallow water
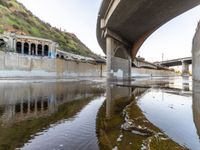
[(83, 114)]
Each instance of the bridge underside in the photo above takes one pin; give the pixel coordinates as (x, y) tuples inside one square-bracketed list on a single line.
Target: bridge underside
[(131, 22), (141, 18), (175, 63)]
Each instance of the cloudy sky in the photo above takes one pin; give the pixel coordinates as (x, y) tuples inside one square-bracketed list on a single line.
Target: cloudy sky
[(79, 16)]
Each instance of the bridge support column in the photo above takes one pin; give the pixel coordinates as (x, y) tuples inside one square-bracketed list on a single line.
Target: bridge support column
[(196, 55), (185, 69), (109, 57), (118, 61)]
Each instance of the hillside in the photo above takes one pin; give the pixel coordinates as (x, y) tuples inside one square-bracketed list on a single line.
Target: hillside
[(16, 18)]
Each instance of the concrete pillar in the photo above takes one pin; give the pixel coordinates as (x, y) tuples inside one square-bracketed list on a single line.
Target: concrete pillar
[(22, 51), (10, 44), (196, 55), (185, 69), (42, 50), (14, 45), (36, 49), (29, 48), (118, 67), (109, 57)]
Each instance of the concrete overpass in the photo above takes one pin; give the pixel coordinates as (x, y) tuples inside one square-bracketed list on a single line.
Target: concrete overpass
[(185, 62), (124, 25)]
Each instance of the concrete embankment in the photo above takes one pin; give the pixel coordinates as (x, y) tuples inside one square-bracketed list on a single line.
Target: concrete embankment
[(17, 65), (144, 72)]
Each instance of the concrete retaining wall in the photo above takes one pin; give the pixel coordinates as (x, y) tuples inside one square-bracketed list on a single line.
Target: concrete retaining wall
[(16, 65), (143, 72)]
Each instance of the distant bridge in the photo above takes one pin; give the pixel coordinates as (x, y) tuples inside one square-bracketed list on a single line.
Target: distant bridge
[(185, 62), (175, 62)]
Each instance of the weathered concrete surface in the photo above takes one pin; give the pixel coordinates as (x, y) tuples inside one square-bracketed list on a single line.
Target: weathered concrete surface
[(143, 72), (120, 68), (16, 65), (196, 55)]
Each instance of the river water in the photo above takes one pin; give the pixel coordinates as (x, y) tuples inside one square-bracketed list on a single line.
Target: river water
[(90, 114)]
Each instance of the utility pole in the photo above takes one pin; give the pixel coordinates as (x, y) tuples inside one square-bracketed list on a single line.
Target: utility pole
[(162, 57)]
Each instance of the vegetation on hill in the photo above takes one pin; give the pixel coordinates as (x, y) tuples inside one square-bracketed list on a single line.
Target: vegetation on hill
[(16, 18)]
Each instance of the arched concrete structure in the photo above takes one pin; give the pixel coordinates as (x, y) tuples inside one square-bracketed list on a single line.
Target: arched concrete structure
[(33, 49), (131, 22), (18, 47), (41, 47), (46, 50), (26, 48)]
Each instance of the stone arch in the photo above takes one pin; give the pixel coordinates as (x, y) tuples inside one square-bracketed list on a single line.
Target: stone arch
[(26, 48), (62, 57), (46, 50), (19, 47), (39, 49), (121, 52), (33, 49), (57, 56)]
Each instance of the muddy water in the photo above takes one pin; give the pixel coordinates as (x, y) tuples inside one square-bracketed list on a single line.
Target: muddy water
[(158, 113)]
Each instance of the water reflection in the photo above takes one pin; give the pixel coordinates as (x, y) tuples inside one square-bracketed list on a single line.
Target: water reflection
[(154, 113), (142, 116), (174, 111), (113, 93), (111, 117), (196, 106), (27, 109)]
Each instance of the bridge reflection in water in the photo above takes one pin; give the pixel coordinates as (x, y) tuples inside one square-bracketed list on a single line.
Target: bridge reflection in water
[(135, 116), (74, 115)]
